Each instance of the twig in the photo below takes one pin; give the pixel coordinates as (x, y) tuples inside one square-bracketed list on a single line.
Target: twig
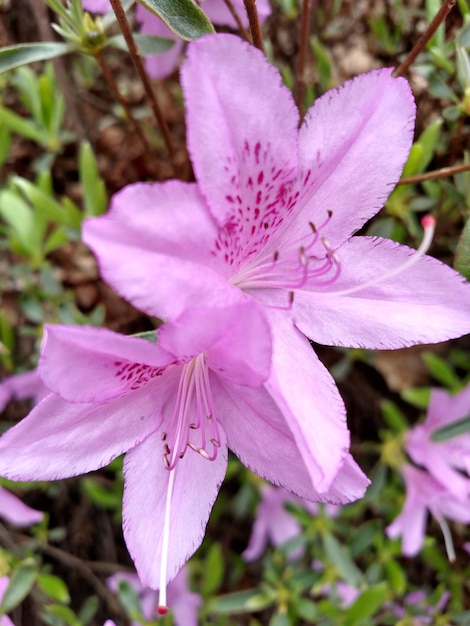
[(304, 35), (425, 37), (244, 33), (73, 562), (252, 13), (435, 174), (108, 75), (135, 56)]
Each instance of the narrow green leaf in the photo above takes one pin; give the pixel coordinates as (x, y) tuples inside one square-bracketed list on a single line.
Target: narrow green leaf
[(21, 582), (20, 125), (441, 370), (462, 253), (341, 559), (183, 17), (18, 215), (449, 431), (94, 189), (247, 601), (366, 604), (22, 54), (54, 587), (213, 570), (147, 44)]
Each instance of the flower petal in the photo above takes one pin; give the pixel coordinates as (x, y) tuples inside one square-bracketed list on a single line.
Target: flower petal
[(101, 364), (196, 485), (159, 65), (16, 511), (426, 303), (59, 439), (307, 396), (243, 140), (154, 247), (218, 13), (236, 340), (353, 144)]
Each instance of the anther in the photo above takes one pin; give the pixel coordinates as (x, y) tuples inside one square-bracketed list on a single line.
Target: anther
[(193, 426), (215, 443), (163, 436), (166, 448), (166, 461), (203, 453), (276, 256), (193, 446), (313, 227)]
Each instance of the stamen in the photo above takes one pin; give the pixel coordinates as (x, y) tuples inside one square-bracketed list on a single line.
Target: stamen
[(165, 543), (429, 224)]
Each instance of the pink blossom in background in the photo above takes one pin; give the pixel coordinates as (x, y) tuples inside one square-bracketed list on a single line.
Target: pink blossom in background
[(16, 512), (198, 390), (162, 65), (24, 386), (184, 603), (424, 493), (445, 460), (4, 619), (417, 602), (275, 524)]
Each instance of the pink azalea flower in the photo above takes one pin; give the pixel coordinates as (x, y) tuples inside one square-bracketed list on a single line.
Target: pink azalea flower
[(275, 524), (200, 388), (15, 511), (424, 493), (447, 459), (4, 619), (274, 208), (184, 603), (22, 387), (162, 65)]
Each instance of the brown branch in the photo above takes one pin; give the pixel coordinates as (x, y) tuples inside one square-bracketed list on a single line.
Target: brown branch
[(108, 75), (252, 13), (435, 174), (441, 15), (135, 56), (304, 36), (244, 33)]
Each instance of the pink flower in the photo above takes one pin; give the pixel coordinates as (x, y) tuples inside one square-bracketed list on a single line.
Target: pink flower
[(201, 388), (15, 511), (274, 208), (162, 65), (4, 619), (424, 493), (22, 387), (444, 460), (275, 524), (184, 603)]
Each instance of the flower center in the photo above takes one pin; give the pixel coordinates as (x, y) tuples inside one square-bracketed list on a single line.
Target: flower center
[(308, 261), (192, 425)]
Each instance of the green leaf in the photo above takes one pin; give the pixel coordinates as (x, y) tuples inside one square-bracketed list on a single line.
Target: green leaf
[(449, 431), (94, 189), (62, 613), (147, 44), (341, 559), (240, 602), (21, 125), (462, 253), (441, 370), (213, 570), (54, 587), (21, 220), (21, 583), (22, 54), (417, 396), (366, 604), (46, 205), (183, 17)]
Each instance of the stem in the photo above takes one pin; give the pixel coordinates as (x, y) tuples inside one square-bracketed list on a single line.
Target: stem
[(441, 15), (238, 20), (135, 56), (252, 12), (304, 33), (441, 173), (108, 75)]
